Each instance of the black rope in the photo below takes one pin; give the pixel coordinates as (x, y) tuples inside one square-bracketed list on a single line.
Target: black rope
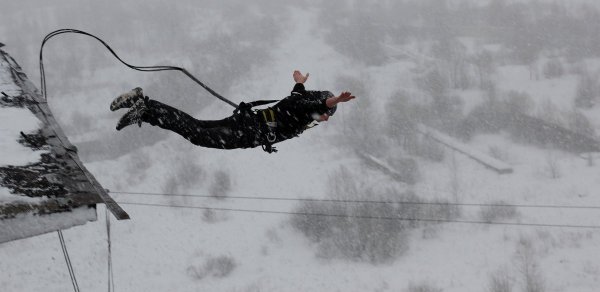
[(138, 68), (111, 282), (68, 261), (367, 217), (366, 201)]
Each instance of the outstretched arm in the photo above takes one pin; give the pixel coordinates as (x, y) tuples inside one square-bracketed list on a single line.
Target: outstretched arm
[(343, 97), (330, 102)]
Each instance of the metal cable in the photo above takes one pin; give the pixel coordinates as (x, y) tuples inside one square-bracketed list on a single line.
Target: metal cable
[(366, 201), (111, 282), (433, 220), (68, 261)]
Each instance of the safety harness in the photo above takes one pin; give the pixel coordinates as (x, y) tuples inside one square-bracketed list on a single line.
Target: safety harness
[(271, 130), (268, 129)]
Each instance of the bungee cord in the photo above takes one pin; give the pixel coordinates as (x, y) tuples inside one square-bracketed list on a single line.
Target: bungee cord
[(138, 68)]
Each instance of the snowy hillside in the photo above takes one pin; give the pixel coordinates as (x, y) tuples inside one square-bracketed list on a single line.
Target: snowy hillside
[(466, 227)]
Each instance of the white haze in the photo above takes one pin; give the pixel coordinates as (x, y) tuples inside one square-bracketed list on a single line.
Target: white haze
[(464, 68)]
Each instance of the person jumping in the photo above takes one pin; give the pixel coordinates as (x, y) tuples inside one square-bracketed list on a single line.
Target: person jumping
[(246, 128)]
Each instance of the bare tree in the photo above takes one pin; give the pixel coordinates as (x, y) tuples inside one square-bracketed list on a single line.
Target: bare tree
[(221, 185), (500, 281), (529, 267), (553, 68), (588, 91), (484, 62), (552, 167)]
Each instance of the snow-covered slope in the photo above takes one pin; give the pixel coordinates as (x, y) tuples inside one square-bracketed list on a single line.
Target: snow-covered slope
[(167, 248)]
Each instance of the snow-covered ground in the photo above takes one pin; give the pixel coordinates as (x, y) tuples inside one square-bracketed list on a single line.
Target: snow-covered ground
[(165, 249)]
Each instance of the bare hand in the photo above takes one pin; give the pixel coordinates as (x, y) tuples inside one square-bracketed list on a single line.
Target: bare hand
[(345, 96), (299, 78)]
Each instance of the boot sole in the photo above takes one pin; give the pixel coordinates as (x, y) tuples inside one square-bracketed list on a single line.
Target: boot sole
[(132, 117), (126, 100)]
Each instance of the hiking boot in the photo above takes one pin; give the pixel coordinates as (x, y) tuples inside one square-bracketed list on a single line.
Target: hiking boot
[(134, 115), (127, 99)]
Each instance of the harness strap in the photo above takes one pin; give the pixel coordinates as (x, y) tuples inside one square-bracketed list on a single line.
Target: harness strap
[(270, 122), (261, 102), (270, 137), (249, 105), (270, 118)]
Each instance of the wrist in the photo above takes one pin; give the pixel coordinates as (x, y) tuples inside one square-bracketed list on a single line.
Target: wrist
[(331, 102)]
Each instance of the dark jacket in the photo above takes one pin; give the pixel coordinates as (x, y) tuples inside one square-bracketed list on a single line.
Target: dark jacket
[(295, 112), (245, 128)]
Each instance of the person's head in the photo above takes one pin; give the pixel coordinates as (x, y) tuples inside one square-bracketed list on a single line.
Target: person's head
[(322, 96)]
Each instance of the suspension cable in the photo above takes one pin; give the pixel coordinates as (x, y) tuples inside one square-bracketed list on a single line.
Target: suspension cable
[(432, 220), (138, 68), (400, 202), (111, 282), (68, 261)]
